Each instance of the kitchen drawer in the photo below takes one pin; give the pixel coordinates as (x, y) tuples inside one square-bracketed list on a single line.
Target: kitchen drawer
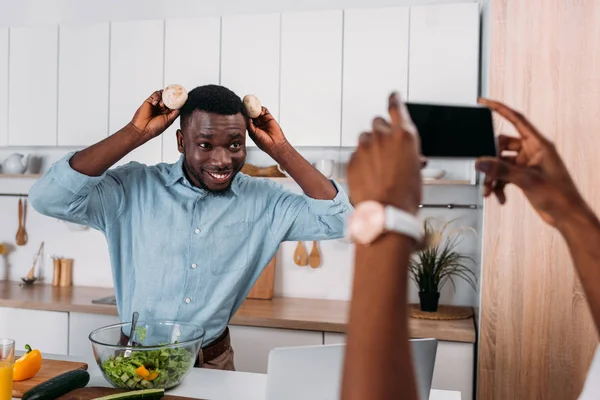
[(80, 327), (252, 345), (44, 330)]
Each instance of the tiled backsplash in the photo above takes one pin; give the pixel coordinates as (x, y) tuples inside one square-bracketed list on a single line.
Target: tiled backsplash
[(332, 280)]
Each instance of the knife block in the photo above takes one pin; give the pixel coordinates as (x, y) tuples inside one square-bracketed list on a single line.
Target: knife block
[(264, 287)]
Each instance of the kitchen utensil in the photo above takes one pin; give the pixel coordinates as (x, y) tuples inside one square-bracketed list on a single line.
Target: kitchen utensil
[(15, 164), (30, 278), (269, 172), (134, 321), (56, 276), (300, 255), (66, 272), (326, 167), (432, 173), (50, 369), (95, 392), (264, 287), (21, 237), (180, 340), (314, 260)]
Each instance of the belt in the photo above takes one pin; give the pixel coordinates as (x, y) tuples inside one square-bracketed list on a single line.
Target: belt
[(206, 354)]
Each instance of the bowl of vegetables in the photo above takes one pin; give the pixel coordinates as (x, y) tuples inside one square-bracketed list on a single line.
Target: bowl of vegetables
[(160, 357)]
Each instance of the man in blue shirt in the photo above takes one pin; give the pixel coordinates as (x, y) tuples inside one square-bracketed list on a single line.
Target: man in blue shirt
[(187, 241)]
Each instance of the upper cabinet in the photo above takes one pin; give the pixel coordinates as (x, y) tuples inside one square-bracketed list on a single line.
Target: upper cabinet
[(444, 54), (136, 71), (83, 84), (311, 77), (252, 66), (3, 86), (191, 59), (32, 86), (375, 64)]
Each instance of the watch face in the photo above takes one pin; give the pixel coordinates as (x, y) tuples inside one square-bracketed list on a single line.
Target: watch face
[(367, 222)]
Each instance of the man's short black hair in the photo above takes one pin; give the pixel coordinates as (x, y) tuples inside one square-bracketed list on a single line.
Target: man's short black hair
[(211, 99)]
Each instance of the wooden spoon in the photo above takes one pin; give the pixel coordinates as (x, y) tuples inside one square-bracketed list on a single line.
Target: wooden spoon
[(300, 255), (314, 260), (21, 237)]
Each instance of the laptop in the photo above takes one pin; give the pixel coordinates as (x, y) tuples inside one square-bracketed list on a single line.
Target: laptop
[(315, 372)]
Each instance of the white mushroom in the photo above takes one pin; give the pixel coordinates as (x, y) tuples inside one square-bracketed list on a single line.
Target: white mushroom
[(253, 106), (174, 96)]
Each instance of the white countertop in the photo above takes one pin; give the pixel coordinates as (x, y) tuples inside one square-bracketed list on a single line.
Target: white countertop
[(221, 385)]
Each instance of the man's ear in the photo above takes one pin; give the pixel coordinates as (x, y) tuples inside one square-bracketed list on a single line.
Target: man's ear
[(180, 145)]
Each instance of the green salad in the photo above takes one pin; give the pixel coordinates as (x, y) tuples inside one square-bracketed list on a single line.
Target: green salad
[(148, 369)]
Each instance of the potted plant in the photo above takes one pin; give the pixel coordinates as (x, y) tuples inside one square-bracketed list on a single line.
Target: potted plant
[(439, 263)]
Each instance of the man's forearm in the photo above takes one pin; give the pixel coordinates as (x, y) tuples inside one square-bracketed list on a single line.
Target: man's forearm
[(98, 158), (378, 327), (582, 234), (313, 183)]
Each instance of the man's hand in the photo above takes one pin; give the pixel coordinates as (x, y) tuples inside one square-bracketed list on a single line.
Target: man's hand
[(267, 133), (153, 117), (532, 163), (386, 167)]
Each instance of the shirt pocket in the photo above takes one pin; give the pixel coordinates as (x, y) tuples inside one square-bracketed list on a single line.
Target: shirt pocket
[(230, 247)]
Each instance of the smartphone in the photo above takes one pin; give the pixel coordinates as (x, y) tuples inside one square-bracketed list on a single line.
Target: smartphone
[(449, 131)]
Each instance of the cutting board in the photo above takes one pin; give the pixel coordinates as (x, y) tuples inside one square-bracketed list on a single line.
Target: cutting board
[(50, 369), (264, 287), (90, 393)]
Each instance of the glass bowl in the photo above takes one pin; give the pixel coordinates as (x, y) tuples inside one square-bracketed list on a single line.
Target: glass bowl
[(161, 356)]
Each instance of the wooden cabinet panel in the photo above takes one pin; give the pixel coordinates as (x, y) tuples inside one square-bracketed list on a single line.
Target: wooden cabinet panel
[(44, 330), (444, 53), (83, 84), (251, 345), (3, 86), (311, 77), (252, 66), (80, 327), (32, 86), (136, 71), (375, 64), (187, 67)]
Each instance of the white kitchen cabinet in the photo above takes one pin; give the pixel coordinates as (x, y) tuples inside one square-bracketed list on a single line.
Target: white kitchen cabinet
[(311, 77), (32, 86), (136, 71), (3, 87), (251, 345), (80, 327), (454, 363), (83, 83), (192, 54), (252, 66), (375, 64), (44, 330), (444, 54)]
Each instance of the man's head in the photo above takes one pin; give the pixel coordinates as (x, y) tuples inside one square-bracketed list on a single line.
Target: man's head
[(212, 137)]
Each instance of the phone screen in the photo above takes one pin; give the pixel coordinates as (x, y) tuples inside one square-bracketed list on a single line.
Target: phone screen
[(454, 131)]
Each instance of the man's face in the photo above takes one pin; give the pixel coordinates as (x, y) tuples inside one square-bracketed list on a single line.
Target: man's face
[(214, 148)]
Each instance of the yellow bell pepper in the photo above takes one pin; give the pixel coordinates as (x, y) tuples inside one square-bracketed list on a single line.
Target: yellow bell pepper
[(27, 365), (142, 371), (153, 375)]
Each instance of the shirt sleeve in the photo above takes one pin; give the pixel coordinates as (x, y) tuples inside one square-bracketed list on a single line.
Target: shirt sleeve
[(299, 217), (67, 194)]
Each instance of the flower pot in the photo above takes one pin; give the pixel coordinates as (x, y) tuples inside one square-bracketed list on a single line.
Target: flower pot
[(429, 301)]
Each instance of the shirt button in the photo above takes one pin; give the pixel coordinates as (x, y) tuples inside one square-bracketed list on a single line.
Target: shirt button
[(197, 231), (194, 265), (187, 300)]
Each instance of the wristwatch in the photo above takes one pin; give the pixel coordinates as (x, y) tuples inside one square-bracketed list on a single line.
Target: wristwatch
[(371, 219)]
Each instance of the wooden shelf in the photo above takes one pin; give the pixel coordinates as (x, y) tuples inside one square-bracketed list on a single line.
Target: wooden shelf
[(21, 176), (447, 182)]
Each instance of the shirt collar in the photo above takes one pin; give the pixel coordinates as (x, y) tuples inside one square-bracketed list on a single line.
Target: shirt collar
[(176, 175)]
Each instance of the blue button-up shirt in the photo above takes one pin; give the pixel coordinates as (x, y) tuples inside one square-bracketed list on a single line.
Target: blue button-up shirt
[(179, 252)]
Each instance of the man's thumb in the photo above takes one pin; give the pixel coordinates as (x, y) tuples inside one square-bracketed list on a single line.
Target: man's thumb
[(501, 170)]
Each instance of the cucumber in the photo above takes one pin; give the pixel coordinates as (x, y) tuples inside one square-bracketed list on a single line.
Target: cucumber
[(59, 385), (146, 394)]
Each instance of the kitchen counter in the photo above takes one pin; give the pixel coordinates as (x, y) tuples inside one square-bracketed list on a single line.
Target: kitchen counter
[(221, 385), (285, 313)]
